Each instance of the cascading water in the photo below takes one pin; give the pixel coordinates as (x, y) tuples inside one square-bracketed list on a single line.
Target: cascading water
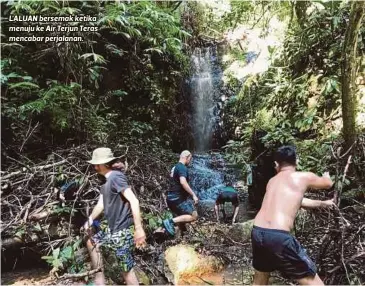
[(207, 175), (204, 96), (208, 171)]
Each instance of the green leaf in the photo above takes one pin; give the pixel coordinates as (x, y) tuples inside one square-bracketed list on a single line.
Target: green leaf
[(56, 253), (67, 252), (119, 93), (99, 59), (77, 244), (23, 85), (20, 232), (154, 50), (57, 263), (37, 227), (314, 159), (47, 257)]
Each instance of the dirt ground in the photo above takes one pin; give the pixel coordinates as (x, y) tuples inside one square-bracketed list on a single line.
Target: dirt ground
[(36, 276)]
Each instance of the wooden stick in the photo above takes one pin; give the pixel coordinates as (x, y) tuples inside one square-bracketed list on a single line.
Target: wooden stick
[(34, 169), (347, 261), (80, 275), (337, 195)]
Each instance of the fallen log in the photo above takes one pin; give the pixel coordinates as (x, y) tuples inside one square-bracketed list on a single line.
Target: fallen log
[(17, 242), (80, 275), (33, 169)]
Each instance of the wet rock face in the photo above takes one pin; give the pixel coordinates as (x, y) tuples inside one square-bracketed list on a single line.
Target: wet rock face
[(241, 232), (206, 208), (183, 261)]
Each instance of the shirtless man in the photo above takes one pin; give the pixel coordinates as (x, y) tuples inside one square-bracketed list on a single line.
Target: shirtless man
[(274, 248)]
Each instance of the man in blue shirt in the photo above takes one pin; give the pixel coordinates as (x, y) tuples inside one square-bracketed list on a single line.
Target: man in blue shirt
[(178, 196)]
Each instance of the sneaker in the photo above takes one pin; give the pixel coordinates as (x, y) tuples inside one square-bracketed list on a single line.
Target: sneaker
[(169, 226)]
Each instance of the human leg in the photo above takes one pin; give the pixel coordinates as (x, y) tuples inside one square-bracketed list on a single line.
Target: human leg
[(96, 261), (263, 260), (261, 278), (310, 280), (130, 277), (184, 213), (118, 257), (297, 265), (186, 218)]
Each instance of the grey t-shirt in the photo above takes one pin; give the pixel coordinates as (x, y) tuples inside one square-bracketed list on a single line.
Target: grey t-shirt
[(117, 209)]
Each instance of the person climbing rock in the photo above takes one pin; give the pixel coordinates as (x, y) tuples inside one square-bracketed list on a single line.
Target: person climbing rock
[(227, 195), (178, 196), (274, 248), (124, 228)]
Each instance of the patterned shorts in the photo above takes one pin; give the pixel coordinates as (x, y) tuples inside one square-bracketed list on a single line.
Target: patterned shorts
[(182, 208), (116, 249)]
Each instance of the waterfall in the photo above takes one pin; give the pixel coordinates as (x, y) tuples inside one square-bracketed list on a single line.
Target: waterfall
[(207, 170), (207, 175), (204, 96)]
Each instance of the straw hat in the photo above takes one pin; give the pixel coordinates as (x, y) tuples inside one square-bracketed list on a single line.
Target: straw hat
[(102, 156)]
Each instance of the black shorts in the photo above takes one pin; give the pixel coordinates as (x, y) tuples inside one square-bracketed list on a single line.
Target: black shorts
[(227, 197), (278, 250)]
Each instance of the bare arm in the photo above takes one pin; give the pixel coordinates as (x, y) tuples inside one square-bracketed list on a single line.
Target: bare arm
[(216, 209), (134, 202), (312, 204), (236, 209), (139, 234), (97, 211), (317, 182)]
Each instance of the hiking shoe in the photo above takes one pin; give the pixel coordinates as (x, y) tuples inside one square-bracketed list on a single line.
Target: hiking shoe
[(169, 226)]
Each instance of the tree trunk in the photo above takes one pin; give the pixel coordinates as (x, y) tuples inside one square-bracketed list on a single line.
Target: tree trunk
[(300, 11), (348, 71)]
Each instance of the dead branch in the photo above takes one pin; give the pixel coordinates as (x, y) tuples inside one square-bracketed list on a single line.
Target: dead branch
[(80, 275), (337, 195), (33, 169), (354, 257)]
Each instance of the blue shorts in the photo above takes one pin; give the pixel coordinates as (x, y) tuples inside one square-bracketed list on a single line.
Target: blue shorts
[(181, 208), (278, 250)]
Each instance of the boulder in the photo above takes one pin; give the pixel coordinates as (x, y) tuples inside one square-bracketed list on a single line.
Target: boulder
[(241, 232), (206, 208), (182, 261)]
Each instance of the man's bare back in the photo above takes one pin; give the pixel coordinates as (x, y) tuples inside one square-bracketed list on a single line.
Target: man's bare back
[(273, 247), (284, 195)]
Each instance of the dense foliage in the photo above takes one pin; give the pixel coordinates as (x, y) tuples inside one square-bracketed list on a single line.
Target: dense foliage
[(121, 82), (298, 99)]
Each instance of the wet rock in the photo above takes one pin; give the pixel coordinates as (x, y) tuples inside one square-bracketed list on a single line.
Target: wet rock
[(206, 208), (183, 261), (241, 232)]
